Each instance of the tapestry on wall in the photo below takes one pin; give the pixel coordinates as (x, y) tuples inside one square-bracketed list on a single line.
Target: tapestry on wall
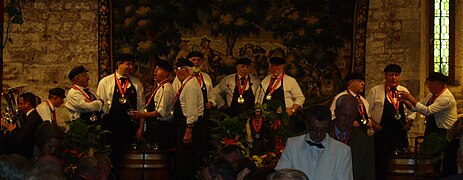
[(322, 40)]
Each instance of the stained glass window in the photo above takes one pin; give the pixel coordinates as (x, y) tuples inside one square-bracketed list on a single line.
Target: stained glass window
[(442, 34)]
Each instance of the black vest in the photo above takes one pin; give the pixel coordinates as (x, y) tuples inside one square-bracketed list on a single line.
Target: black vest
[(237, 108), (277, 95)]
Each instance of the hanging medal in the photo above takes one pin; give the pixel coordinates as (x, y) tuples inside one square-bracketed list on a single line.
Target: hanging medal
[(395, 102), (122, 99), (241, 89), (256, 126), (274, 86)]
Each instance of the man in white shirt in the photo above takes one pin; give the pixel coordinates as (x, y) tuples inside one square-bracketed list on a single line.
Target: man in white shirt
[(236, 92), (47, 109), (157, 111), (355, 87), (280, 87), (315, 153), (81, 102), (440, 109), (122, 94), (187, 114), (391, 119)]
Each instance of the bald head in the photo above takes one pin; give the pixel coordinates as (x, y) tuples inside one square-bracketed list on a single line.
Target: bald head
[(346, 112)]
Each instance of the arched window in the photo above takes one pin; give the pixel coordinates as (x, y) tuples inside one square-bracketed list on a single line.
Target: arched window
[(442, 37)]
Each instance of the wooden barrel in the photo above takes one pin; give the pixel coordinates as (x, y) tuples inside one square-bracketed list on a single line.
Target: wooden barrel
[(152, 164), (409, 166)]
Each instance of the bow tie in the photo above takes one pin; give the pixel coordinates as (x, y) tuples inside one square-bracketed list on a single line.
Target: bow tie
[(319, 145)]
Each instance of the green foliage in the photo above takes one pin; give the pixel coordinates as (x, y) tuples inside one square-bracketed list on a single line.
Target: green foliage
[(81, 139), (434, 144)]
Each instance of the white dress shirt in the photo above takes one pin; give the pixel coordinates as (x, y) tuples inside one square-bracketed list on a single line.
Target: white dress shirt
[(44, 110), (292, 92), (335, 99), (163, 100), (375, 98), (191, 100), (444, 109), (211, 97), (224, 90), (77, 102), (106, 91)]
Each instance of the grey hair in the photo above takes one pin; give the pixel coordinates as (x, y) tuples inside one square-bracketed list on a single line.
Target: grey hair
[(292, 174), (343, 98)]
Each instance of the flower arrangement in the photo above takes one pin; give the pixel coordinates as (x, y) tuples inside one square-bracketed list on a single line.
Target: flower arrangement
[(80, 140), (260, 132)]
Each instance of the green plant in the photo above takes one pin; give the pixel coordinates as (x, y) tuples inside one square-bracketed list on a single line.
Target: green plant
[(81, 139)]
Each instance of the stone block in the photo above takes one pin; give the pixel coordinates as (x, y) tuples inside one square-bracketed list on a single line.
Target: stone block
[(407, 13), (89, 16), (411, 26), (12, 71), (375, 4)]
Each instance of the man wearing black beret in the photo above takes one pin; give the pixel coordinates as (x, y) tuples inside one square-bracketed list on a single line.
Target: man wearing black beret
[(440, 109), (236, 92), (281, 87), (122, 94), (158, 106), (81, 101), (47, 109), (391, 119), (187, 121), (355, 86)]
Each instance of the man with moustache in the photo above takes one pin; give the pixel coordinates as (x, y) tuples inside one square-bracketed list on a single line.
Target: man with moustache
[(236, 92), (362, 146), (122, 94), (187, 114), (158, 107), (81, 102), (391, 119), (282, 88), (440, 109), (355, 86), (315, 153)]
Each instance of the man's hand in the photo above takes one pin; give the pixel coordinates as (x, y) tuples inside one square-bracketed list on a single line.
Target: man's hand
[(10, 127), (356, 124), (209, 105), (139, 134), (376, 127), (408, 125), (187, 136), (289, 111)]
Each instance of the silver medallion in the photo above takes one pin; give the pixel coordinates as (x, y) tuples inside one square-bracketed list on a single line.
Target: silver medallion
[(269, 97), (93, 118), (122, 100), (241, 99), (257, 135), (172, 113), (397, 116), (145, 109)]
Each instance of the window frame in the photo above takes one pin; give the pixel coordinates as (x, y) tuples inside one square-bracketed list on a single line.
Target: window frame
[(452, 17)]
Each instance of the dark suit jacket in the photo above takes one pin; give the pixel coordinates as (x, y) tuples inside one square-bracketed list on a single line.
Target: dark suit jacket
[(363, 154), (21, 140)]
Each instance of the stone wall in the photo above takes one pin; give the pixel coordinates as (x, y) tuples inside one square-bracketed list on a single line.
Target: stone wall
[(56, 36)]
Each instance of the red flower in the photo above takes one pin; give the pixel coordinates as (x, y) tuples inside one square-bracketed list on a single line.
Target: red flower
[(233, 141)]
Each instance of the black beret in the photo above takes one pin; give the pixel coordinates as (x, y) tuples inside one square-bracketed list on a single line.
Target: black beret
[(195, 54), (60, 92), (183, 62), (437, 76), (76, 71), (393, 68), (165, 65), (353, 76), (277, 60), (245, 61)]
